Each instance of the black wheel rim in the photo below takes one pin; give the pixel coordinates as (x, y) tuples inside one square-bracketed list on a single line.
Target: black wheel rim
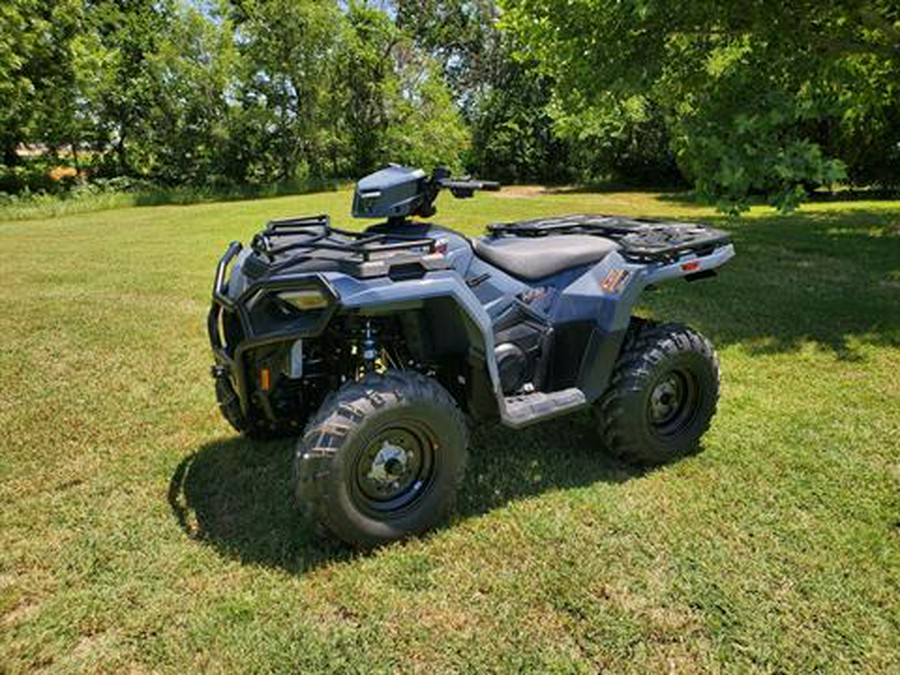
[(395, 467), (673, 402)]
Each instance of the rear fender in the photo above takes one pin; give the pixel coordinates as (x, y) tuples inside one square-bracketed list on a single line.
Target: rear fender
[(607, 293), (609, 290)]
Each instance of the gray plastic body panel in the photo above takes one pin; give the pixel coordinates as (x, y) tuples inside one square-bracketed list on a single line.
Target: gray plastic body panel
[(482, 292)]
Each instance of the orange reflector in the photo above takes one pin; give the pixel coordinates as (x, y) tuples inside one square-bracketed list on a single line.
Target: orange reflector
[(690, 266), (265, 379)]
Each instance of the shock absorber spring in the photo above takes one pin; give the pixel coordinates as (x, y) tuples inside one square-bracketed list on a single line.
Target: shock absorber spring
[(369, 348)]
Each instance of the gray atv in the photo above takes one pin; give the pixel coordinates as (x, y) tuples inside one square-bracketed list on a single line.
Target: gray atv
[(374, 348)]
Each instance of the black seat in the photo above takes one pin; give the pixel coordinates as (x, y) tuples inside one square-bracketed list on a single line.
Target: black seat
[(538, 257)]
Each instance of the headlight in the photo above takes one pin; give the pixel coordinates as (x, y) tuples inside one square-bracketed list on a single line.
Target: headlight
[(304, 300)]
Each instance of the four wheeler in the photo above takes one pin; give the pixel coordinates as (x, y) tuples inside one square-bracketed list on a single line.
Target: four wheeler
[(374, 348)]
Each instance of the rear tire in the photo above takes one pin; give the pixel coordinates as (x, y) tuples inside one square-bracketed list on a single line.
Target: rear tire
[(662, 395), (382, 459)]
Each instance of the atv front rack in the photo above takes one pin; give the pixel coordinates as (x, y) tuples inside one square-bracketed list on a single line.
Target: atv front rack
[(640, 239), (289, 242)]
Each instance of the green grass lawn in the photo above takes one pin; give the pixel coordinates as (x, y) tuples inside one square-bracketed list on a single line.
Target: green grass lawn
[(138, 533)]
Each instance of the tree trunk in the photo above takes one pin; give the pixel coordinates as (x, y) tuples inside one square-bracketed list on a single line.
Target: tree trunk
[(10, 156), (122, 156), (74, 146), (123, 119)]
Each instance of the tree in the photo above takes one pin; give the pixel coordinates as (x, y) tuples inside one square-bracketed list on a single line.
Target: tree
[(192, 70), (127, 36), (513, 133), (286, 49), (424, 129), (503, 101), (36, 74), (461, 36), (366, 74), (746, 89)]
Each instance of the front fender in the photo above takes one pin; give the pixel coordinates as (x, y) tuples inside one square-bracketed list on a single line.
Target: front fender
[(383, 295)]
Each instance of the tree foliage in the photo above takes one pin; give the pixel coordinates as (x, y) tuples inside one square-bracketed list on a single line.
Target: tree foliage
[(222, 93), (504, 101), (461, 36), (739, 99), (36, 72), (757, 97), (513, 132)]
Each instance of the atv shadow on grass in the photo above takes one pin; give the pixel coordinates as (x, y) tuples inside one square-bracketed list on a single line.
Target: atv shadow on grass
[(235, 494)]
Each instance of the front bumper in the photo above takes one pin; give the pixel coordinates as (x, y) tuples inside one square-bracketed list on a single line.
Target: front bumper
[(237, 326)]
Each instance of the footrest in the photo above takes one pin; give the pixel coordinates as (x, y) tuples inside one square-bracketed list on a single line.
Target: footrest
[(525, 409)]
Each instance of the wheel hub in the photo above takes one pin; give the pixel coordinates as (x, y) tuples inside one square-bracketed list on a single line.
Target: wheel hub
[(391, 465), (665, 400)]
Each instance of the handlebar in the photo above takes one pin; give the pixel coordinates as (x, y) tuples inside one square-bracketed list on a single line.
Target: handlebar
[(468, 185), (460, 188), (440, 179)]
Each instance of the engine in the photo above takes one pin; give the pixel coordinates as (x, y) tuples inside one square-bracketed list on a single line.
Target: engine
[(521, 340)]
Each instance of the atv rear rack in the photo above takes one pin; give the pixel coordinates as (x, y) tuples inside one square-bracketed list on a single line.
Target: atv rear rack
[(640, 239), (361, 254)]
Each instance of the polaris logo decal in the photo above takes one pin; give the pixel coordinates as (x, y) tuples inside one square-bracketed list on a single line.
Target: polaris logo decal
[(531, 295), (613, 281)]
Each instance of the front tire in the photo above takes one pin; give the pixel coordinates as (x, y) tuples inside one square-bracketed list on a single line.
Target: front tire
[(382, 459), (662, 395)]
